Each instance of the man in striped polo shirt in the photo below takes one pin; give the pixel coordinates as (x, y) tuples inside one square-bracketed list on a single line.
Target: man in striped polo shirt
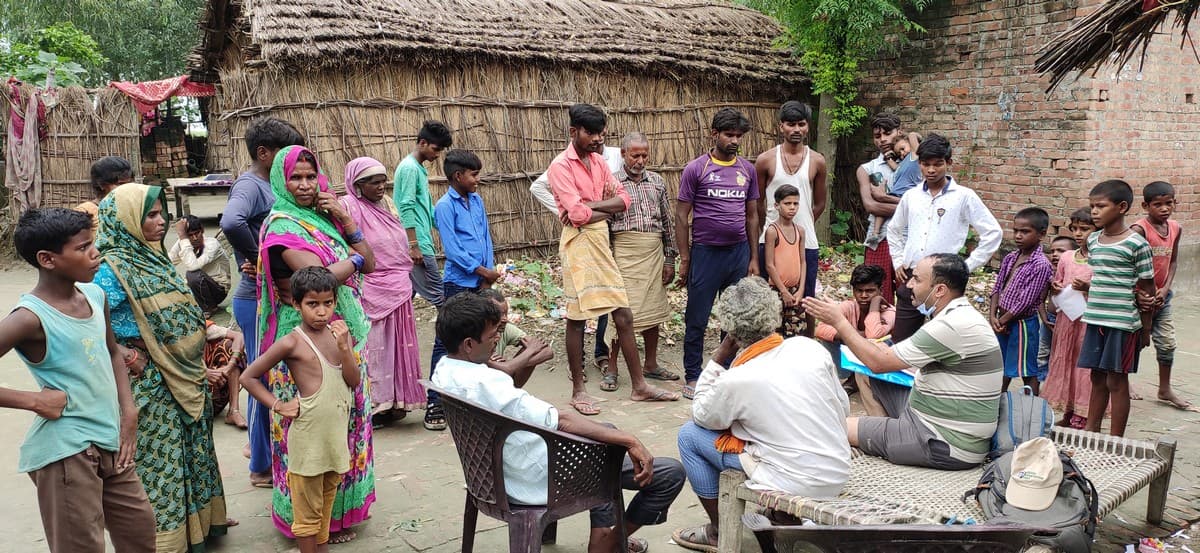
[(946, 420)]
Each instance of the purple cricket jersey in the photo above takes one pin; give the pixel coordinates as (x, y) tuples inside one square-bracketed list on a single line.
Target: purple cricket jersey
[(718, 194)]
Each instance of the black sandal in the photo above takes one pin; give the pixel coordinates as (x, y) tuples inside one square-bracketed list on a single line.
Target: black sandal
[(435, 418)]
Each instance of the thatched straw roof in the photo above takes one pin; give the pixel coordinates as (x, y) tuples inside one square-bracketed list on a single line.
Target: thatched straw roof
[(1117, 31), (687, 39)]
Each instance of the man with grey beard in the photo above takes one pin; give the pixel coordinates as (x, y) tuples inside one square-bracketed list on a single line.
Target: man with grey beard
[(643, 241)]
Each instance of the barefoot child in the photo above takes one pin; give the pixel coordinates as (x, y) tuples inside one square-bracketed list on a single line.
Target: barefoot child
[(1117, 316), (1059, 246), (79, 451), (784, 250), (1020, 289), (317, 452), (1163, 235), (1068, 388)]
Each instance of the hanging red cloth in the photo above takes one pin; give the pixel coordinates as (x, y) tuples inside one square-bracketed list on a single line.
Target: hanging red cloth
[(148, 95)]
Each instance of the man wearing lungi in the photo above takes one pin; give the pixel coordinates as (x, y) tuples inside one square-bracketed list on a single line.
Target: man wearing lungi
[(643, 241), (587, 194)]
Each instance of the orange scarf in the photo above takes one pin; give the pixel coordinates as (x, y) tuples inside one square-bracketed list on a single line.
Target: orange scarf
[(727, 442)]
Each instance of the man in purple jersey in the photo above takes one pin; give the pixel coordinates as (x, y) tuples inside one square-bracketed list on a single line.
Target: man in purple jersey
[(716, 213)]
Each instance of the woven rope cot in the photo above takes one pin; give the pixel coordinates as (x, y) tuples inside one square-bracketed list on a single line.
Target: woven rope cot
[(882, 493), (500, 73)]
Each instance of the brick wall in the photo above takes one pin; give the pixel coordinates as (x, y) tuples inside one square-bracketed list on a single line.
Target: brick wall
[(971, 79)]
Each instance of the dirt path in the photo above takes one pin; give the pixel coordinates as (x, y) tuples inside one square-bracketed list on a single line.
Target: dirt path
[(419, 482)]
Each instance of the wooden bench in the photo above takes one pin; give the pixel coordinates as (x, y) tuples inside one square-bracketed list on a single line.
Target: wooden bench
[(882, 493)]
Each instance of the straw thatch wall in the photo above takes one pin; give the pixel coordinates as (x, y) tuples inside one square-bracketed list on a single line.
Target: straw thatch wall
[(501, 79), (516, 139), (83, 126)]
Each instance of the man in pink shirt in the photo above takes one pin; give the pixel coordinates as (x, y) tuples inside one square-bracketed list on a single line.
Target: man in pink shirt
[(873, 318), (587, 194)]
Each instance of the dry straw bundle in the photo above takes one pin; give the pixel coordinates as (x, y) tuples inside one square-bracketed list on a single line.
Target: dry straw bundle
[(1115, 32)]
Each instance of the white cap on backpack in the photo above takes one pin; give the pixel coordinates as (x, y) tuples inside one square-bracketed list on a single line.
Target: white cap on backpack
[(1036, 474)]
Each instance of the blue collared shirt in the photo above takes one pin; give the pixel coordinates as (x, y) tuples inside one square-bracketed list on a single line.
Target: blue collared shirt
[(463, 226)]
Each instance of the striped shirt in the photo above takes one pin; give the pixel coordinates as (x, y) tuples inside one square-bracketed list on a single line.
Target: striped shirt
[(1116, 268), (1023, 288), (649, 209), (956, 391)]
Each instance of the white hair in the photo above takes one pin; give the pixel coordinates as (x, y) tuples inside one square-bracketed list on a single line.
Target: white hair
[(750, 310)]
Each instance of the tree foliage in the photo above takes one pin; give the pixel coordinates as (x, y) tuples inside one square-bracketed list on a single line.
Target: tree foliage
[(62, 49), (135, 40), (833, 37)]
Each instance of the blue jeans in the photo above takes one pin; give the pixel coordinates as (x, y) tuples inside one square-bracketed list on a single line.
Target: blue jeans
[(449, 290), (702, 461), (712, 269), (601, 349), (245, 312)]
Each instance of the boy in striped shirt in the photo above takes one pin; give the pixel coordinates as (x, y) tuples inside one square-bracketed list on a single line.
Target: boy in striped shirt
[(1118, 327)]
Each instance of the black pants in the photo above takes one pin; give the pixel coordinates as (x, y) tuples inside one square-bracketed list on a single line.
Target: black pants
[(209, 294), (908, 319), (650, 505)]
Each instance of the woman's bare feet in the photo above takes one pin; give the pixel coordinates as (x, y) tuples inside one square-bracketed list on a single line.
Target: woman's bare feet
[(235, 418)]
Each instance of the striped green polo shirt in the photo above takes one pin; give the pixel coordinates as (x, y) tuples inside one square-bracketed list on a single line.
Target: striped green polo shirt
[(956, 392), (1116, 268)]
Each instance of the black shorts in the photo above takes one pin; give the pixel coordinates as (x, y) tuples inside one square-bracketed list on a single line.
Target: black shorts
[(1109, 350)]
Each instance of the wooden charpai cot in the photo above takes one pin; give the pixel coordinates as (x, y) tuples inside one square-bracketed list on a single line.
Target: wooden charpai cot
[(881, 493)]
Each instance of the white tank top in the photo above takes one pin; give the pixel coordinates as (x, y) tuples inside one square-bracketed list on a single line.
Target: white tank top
[(799, 179)]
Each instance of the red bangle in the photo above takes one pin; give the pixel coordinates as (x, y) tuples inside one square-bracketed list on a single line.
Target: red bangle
[(129, 362)]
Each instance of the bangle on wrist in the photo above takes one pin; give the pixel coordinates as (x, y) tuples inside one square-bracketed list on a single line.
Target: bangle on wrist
[(275, 406), (358, 261), (129, 361), (354, 237)]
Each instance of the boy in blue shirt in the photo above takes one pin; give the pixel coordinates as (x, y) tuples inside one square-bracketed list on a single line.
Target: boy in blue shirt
[(79, 451), (462, 224)]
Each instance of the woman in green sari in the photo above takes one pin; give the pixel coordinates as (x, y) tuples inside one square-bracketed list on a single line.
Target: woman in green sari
[(156, 319), (309, 227)]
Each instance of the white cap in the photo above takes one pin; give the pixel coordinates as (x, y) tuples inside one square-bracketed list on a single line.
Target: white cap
[(1036, 474)]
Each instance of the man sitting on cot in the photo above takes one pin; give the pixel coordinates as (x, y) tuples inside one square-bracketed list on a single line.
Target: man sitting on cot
[(947, 419)]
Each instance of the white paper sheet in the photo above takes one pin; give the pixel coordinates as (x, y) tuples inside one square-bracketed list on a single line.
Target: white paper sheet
[(1072, 303)]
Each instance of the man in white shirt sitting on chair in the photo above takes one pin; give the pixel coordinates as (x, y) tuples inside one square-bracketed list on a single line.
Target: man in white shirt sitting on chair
[(468, 325)]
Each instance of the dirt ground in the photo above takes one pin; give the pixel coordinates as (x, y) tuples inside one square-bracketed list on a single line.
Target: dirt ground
[(419, 480)]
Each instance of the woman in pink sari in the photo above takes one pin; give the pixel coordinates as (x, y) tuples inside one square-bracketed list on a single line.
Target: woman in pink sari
[(393, 359)]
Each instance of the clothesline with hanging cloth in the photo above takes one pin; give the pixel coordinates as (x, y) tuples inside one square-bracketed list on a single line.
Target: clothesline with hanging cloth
[(147, 95), (26, 129)]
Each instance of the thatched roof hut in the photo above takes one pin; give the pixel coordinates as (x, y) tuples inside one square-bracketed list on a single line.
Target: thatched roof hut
[(359, 76)]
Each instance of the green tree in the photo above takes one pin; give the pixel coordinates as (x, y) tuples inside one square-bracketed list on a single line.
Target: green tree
[(833, 37), (64, 49), (137, 39)]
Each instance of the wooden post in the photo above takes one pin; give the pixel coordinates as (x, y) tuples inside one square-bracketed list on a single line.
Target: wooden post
[(730, 510), (825, 143), (1156, 503)]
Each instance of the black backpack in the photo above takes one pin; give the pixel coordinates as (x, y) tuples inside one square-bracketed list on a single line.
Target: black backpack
[(1072, 516)]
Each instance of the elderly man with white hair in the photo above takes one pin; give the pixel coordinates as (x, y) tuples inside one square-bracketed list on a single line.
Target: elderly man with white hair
[(778, 412)]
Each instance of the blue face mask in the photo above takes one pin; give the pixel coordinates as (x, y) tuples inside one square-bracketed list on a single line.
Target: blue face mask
[(926, 310)]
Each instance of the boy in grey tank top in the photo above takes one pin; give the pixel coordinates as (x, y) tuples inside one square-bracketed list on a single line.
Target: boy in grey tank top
[(320, 413)]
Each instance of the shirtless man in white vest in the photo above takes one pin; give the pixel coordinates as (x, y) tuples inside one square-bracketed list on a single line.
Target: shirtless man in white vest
[(794, 163)]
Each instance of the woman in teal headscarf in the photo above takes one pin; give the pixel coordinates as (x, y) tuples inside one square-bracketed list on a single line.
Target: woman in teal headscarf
[(155, 317), (308, 227)]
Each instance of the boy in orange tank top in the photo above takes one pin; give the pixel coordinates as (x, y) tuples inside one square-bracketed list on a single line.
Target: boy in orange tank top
[(1158, 201), (784, 250)]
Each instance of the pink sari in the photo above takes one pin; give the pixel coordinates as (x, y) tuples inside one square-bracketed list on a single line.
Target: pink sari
[(392, 351)]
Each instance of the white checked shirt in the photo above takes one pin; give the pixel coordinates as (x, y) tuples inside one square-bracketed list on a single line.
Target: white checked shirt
[(925, 224)]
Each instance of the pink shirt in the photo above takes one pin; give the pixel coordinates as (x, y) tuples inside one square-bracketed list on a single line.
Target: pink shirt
[(875, 326), (573, 185)]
